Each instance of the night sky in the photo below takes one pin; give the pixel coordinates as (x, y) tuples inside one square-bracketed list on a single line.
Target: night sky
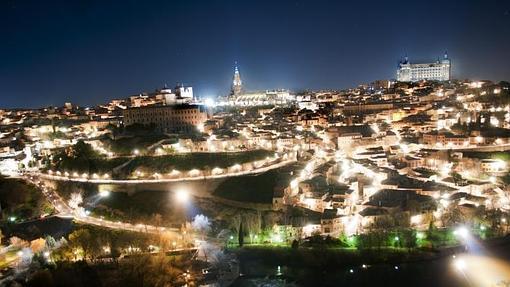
[(88, 52)]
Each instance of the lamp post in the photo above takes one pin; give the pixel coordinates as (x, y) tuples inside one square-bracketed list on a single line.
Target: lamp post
[(183, 198)]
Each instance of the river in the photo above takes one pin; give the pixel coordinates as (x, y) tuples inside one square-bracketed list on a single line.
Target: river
[(489, 267)]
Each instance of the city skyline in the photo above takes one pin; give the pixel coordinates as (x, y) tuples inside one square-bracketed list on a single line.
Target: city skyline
[(89, 54), (250, 143)]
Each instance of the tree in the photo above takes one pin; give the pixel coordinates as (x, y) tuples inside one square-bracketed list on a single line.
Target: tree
[(18, 242), (252, 221), (241, 234), (408, 238), (37, 245), (75, 200), (82, 239), (157, 220), (201, 224), (452, 216)]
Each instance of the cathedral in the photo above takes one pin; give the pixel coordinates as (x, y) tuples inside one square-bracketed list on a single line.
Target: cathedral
[(237, 85), (238, 97)]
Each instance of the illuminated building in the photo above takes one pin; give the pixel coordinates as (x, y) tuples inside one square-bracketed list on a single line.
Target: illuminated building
[(237, 84), (175, 118), (274, 97), (185, 93), (438, 71), (238, 97)]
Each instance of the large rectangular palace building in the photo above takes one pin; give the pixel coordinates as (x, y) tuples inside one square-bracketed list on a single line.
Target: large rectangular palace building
[(438, 71), (172, 118)]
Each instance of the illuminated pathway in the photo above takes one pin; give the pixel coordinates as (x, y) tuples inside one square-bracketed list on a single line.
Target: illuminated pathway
[(162, 180), (67, 212)]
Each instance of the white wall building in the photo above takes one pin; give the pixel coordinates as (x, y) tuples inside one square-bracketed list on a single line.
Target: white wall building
[(184, 92), (438, 71)]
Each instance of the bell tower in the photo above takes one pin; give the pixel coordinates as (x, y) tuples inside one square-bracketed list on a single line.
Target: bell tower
[(237, 84)]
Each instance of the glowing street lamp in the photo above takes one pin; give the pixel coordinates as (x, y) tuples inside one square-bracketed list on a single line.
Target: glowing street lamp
[(182, 196), (104, 193), (459, 264), (462, 232)]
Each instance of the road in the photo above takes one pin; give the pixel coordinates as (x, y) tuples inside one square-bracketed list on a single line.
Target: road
[(64, 210), (160, 180)]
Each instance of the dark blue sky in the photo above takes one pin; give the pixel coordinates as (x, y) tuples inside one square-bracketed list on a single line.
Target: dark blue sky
[(88, 52)]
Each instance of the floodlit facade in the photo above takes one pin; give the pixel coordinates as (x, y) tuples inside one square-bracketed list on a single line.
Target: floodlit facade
[(273, 97), (438, 71), (237, 84), (238, 97), (176, 118)]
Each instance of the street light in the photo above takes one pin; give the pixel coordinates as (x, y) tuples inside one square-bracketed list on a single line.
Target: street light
[(459, 264), (182, 195), (462, 232), (104, 193)]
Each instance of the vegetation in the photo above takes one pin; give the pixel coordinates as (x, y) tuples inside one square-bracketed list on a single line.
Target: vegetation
[(126, 145), (486, 129), (20, 200), (83, 158), (140, 207), (55, 135), (425, 172), (502, 155), (501, 99), (194, 161), (90, 257), (144, 270), (256, 189)]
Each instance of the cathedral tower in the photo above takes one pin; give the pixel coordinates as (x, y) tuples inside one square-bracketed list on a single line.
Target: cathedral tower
[(237, 85)]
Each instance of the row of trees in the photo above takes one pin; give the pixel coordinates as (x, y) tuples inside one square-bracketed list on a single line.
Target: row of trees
[(96, 244), (91, 256)]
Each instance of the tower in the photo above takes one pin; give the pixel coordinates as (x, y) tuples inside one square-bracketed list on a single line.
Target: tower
[(237, 85), (446, 67)]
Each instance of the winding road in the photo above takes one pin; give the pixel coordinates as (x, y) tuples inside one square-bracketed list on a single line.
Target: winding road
[(65, 211)]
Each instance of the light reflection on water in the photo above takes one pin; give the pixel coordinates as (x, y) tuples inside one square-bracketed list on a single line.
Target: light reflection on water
[(478, 271)]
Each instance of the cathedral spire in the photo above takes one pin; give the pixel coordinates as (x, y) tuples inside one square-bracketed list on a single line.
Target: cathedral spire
[(237, 84)]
